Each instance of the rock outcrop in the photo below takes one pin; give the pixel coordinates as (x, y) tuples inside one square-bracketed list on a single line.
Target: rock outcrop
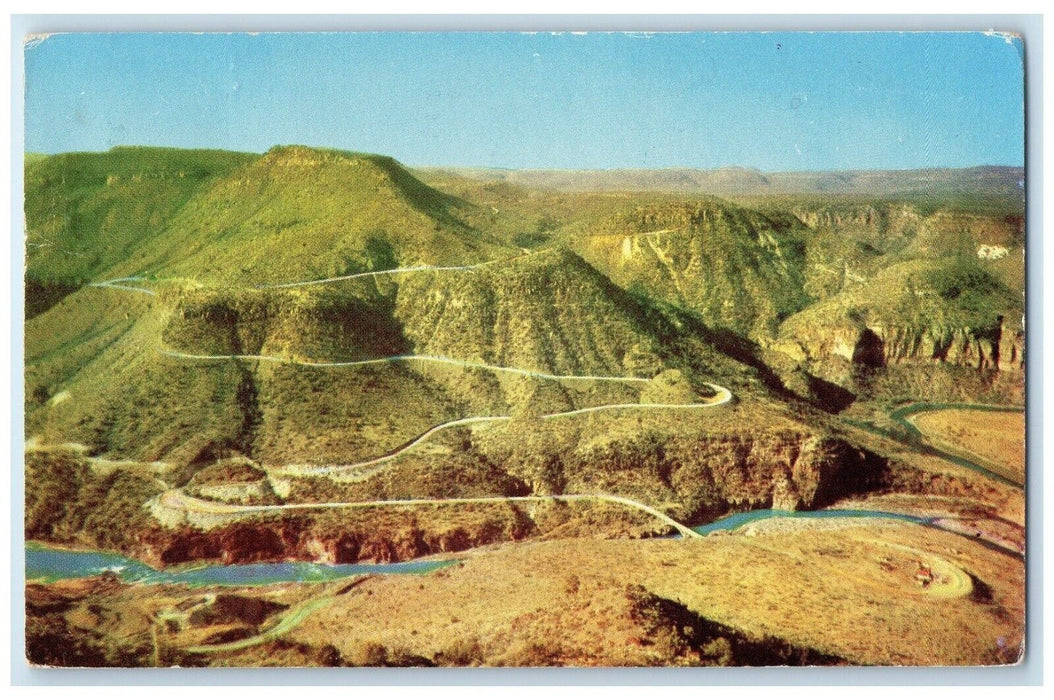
[(895, 220), (1000, 347), (738, 269)]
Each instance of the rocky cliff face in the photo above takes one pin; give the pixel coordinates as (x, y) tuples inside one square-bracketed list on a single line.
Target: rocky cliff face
[(383, 538), (704, 476), (879, 345), (696, 478), (737, 268), (996, 348), (789, 471), (955, 313), (895, 220), (947, 228)]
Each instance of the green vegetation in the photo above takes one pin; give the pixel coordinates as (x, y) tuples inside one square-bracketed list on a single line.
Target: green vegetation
[(231, 471), (66, 501), (739, 270), (971, 288), (801, 296), (89, 212), (298, 214), (799, 304), (231, 216)]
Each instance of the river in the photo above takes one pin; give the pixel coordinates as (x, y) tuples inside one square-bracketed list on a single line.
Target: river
[(50, 564), (910, 435), (738, 520)]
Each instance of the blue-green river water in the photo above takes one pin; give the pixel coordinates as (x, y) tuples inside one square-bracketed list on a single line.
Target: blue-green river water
[(51, 564), (740, 519)]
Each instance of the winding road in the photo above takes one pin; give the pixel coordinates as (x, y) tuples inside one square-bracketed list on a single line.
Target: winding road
[(907, 415), (176, 499), (912, 437), (723, 396), (635, 235), (394, 271), (403, 358), (446, 268), (951, 580), (114, 284)]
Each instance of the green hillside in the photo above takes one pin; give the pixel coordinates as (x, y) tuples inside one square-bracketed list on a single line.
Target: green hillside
[(291, 214), (89, 212), (758, 295), (96, 373), (550, 311), (797, 305), (313, 357), (738, 269), (300, 214)]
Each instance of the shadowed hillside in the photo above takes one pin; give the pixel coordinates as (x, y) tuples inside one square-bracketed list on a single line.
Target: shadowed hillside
[(549, 311), (738, 269)]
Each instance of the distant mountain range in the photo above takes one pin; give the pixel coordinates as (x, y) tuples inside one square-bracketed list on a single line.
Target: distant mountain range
[(1004, 180)]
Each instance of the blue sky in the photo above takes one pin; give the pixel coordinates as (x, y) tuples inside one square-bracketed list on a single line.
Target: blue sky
[(781, 101)]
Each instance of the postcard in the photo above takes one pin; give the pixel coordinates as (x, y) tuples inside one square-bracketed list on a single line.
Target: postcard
[(524, 349)]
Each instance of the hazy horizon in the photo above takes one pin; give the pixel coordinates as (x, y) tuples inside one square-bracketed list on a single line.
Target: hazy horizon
[(477, 166)]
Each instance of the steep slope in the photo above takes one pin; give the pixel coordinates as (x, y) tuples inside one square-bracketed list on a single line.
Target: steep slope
[(923, 313), (549, 311), (97, 374), (87, 212), (292, 214), (299, 214), (214, 354), (94, 377), (905, 283), (738, 269), (195, 373)]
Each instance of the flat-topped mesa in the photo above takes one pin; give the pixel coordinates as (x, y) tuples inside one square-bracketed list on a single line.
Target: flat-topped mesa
[(384, 172), (1005, 182), (296, 155), (291, 214)]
